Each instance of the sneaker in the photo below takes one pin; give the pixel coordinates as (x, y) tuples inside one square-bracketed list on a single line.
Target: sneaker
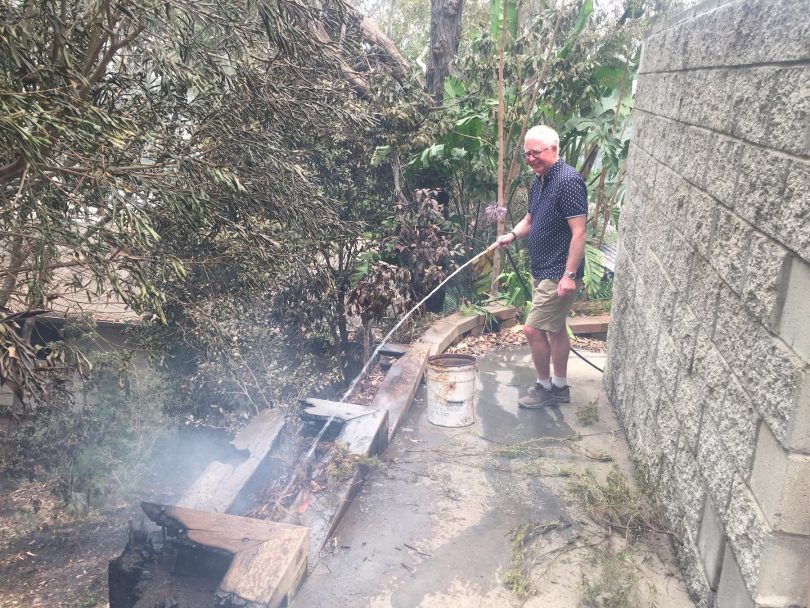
[(562, 394), (538, 397)]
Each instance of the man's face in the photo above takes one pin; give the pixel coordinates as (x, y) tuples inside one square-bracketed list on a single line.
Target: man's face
[(539, 155)]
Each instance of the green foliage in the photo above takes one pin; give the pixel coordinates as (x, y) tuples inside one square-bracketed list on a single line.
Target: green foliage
[(98, 438), (594, 269), (586, 95), (496, 18), (588, 414), (517, 283), (615, 503), (582, 19), (617, 584), (518, 575)]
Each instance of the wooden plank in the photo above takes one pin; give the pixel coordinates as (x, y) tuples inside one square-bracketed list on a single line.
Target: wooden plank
[(441, 334), (398, 388), (324, 409), (269, 558), (265, 576), (597, 324), (501, 312), (219, 485), (508, 323), (366, 435), (392, 349)]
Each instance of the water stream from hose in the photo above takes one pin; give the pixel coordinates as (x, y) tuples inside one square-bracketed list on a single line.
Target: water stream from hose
[(384, 341), (402, 320), (367, 364)]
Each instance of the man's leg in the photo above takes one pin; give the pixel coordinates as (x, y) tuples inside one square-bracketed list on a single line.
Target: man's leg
[(541, 351), (545, 340), (560, 349), (540, 395)]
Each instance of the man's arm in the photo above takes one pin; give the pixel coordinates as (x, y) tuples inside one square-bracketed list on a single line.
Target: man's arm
[(576, 251), (520, 231)]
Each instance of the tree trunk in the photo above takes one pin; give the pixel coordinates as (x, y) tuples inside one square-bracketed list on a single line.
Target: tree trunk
[(496, 260), (445, 31)]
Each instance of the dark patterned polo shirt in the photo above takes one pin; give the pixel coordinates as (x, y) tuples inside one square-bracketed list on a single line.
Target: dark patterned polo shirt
[(560, 194)]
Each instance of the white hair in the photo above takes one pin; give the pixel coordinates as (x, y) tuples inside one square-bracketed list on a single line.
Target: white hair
[(546, 135)]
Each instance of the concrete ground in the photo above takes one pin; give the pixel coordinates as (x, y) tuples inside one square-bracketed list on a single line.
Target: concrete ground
[(484, 516)]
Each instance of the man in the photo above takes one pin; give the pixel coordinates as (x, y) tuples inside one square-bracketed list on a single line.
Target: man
[(555, 228)]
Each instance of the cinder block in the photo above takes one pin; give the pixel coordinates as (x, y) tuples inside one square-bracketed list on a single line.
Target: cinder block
[(672, 98), (765, 276), (692, 82), (759, 200), (747, 531), (781, 484), (773, 376), (768, 371), (711, 544), (794, 325), (729, 251), (691, 492), (794, 209), (680, 260), (661, 198), (789, 108), (735, 328), (710, 368), (731, 591), (650, 53), (671, 147), (702, 291), (647, 178), (645, 97), (689, 561), (666, 364), (689, 405), (701, 222), (783, 572), (715, 465), (674, 46), (706, 41), (769, 30), (698, 142), (751, 91), (668, 427), (798, 434), (648, 444), (683, 331), (736, 419), (721, 181)]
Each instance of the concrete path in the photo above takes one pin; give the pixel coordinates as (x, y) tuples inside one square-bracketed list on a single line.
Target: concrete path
[(437, 521)]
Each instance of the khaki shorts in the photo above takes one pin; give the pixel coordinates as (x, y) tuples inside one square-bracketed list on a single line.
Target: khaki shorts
[(549, 311)]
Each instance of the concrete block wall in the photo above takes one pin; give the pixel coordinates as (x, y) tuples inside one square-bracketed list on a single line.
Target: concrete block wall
[(710, 333)]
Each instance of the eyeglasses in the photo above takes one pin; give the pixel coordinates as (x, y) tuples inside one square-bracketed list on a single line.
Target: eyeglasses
[(536, 153)]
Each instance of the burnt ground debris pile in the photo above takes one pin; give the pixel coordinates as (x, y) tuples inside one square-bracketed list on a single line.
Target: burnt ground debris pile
[(309, 487)]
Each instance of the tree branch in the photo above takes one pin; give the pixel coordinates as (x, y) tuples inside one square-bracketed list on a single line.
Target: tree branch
[(513, 165), (115, 46)]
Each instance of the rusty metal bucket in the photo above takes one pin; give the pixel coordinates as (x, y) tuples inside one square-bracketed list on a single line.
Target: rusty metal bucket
[(451, 390)]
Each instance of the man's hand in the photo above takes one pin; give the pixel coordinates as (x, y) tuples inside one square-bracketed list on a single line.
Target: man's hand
[(503, 241), (566, 286)]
